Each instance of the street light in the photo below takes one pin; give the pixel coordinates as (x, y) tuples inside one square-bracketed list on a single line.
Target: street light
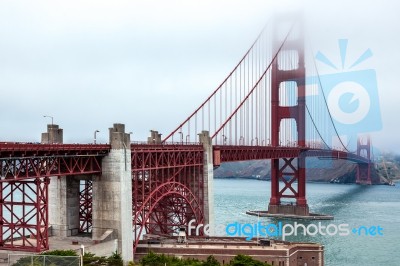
[(95, 132), (224, 138), (240, 140), (49, 117), (181, 134), (48, 131)]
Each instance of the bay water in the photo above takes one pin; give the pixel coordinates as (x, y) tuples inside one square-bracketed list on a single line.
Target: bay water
[(361, 207)]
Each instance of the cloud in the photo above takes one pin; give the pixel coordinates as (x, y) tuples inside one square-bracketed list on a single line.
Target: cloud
[(150, 63)]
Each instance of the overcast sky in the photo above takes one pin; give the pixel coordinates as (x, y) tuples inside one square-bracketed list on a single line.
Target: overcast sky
[(149, 64)]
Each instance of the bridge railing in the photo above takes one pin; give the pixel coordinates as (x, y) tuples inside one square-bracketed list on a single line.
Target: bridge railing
[(170, 143)]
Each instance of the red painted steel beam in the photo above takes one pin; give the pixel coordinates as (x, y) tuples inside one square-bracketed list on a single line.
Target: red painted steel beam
[(85, 206), (336, 154), (24, 215), (34, 167), (245, 153), (15, 149), (167, 187)]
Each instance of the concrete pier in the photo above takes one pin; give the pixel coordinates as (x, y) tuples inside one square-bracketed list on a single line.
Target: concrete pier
[(112, 194), (64, 206), (208, 173), (63, 194)]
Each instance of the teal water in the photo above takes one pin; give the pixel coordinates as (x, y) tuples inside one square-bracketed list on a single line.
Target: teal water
[(354, 205)]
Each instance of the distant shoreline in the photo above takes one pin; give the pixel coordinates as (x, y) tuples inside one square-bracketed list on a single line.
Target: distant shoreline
[(310, 181)]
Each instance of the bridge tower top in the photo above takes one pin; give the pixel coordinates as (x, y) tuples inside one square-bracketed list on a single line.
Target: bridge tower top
[(118, 138), (54, 135)]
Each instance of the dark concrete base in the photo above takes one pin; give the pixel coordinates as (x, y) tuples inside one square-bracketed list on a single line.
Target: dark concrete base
[(289, 209), (310, 216)]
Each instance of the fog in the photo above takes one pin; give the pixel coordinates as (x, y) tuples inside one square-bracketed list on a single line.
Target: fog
[(149, 64)]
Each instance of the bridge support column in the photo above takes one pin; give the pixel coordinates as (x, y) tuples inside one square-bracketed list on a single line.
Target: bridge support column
[(284, 173), (63, 194), (64, 206), (364, 169), (112, 194), (208, 180)]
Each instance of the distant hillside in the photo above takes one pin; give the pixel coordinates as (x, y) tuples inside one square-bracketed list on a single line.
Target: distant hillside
[(338, 171), (388, 166)]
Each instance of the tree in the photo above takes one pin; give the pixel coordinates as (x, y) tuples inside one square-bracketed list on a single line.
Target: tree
[(243, 260), (153, 259), (211, 261)]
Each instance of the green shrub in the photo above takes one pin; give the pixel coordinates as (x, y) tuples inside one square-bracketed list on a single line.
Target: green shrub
[(115, 260), (211, 261), (243, 260)]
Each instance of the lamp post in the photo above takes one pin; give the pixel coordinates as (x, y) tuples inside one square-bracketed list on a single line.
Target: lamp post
[(181, 134), (224, 138), (82, 249), (48, 132), (95, 132), (240, 140), (52, 118), (123, 143)]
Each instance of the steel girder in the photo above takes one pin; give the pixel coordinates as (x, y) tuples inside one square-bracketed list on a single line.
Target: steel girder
[(21, 168), (246, 153), (167, 188), (18, 149), (337, 155), (24, 178)]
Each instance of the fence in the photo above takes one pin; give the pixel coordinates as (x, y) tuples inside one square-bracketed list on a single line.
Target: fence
[(43, 260)]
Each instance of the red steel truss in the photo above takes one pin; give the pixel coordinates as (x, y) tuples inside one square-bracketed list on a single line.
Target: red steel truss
[(85, 206), (21, 168), (24, 215), (26, 149), (24, 179), (246, 153), (167, 187)]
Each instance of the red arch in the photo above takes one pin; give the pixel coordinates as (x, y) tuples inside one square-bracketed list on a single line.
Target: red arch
[(162, 191)]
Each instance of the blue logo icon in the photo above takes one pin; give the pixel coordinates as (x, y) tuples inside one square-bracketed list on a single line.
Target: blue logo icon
[(352, 96)]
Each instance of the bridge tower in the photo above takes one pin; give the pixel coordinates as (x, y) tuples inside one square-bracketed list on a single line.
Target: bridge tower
[(288, 170), (364, 169)]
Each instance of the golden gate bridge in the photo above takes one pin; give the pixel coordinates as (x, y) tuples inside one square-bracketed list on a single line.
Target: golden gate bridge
[(261, 110)]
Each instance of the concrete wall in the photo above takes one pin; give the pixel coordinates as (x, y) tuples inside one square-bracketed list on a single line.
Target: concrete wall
[(112, 193)]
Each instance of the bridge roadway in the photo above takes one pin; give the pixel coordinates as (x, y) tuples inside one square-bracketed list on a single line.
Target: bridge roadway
[(28, 160), (162, 175)]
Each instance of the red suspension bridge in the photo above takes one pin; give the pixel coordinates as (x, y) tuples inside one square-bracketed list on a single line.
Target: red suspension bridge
[(262, 110)]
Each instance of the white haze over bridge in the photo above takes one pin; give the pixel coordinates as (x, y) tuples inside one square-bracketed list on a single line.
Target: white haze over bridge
[(148, 64)]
